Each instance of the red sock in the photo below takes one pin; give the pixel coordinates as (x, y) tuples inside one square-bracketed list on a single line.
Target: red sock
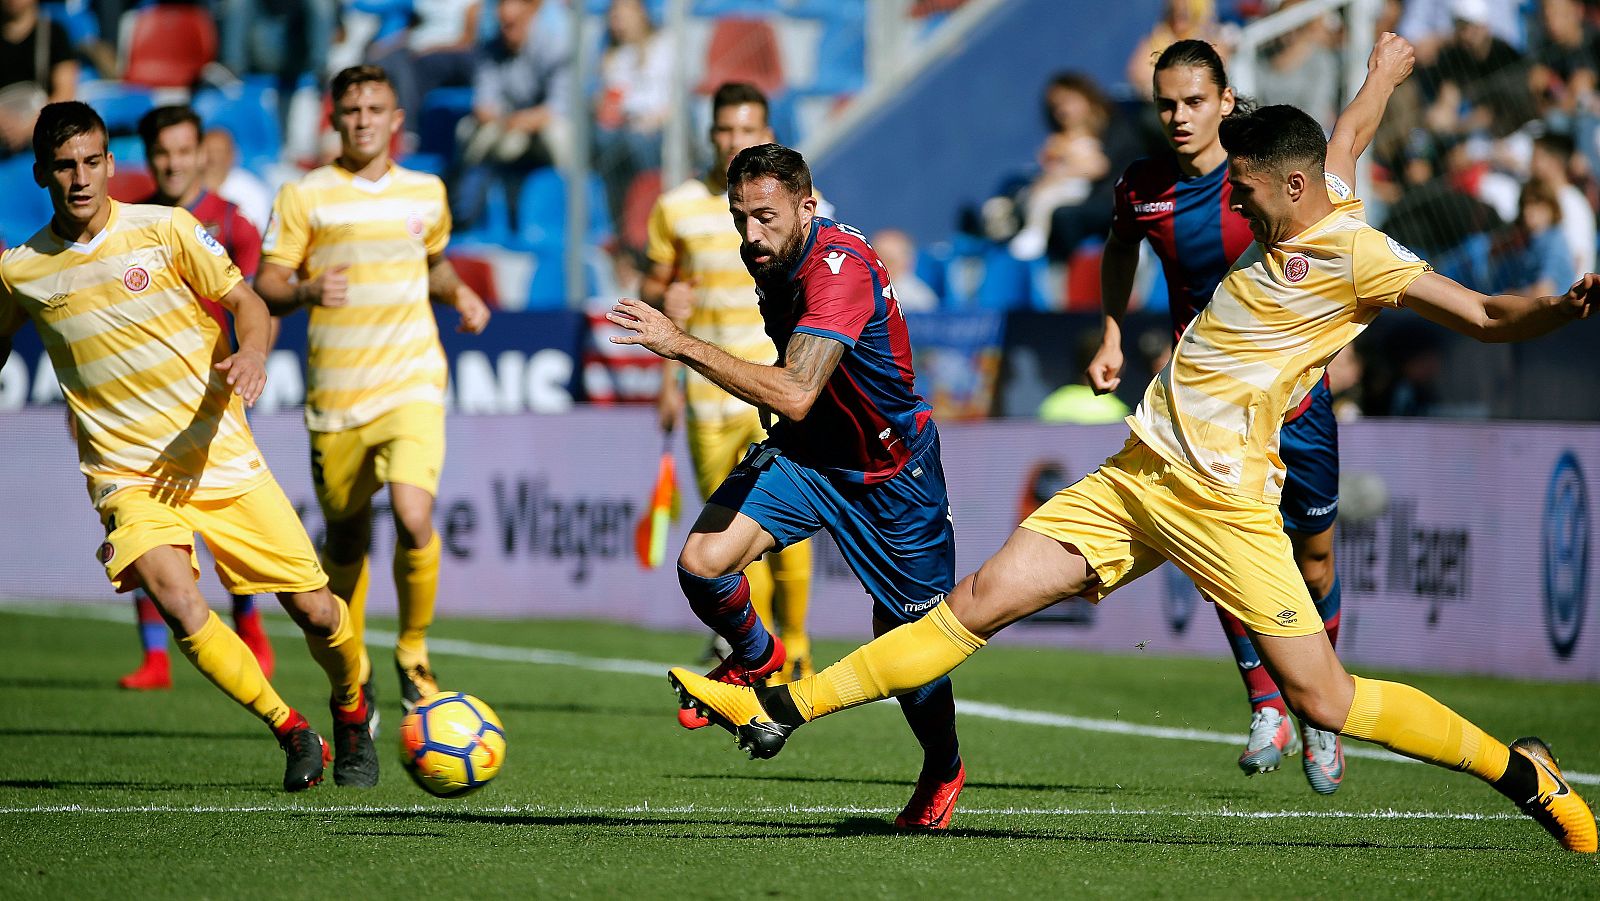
[(1258, 684), (295, 721)]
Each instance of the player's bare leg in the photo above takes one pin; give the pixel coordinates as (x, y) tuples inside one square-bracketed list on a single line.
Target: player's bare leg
[(344, 556), (1409, 722), (1029, 573), (711, 568), (330, 636), (1323, 758), (223, 658), (416, 582)]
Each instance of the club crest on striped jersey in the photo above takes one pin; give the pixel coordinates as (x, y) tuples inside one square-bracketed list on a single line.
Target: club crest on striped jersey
[(414, 224), (136, 279), (1296, 268)]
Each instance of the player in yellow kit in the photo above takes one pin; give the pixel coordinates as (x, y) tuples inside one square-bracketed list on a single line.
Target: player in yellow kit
[(699, 280), (361, 242), (115, 291), (1198, 482)]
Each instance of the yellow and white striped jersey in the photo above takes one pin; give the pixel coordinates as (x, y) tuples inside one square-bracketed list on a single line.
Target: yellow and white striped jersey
[(691, 229), (381, 349), (1263, 341), (133, 348)]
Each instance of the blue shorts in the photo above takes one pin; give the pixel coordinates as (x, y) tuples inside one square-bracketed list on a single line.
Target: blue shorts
[(1309, 446), (897, 536)]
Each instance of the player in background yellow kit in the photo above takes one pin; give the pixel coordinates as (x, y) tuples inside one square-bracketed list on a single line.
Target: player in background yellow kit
[(115, 291), (698, 279), (361, 243), (1198, 483)]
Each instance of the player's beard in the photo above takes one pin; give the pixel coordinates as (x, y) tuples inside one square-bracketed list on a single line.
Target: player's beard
[(780, 259)]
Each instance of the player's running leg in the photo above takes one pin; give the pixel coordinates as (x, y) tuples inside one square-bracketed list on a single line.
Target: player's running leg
[(416, 582), (1323, 759), (1272, 735), (791, 603), (930, 711), (168, 575), (155, 669), (711, 568), (331, 637), (344, 558), (1409, 722), (247, 622)]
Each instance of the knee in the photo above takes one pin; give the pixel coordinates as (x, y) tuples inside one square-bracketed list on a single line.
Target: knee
[(180, 603), (1316, 568), (413, 523), (1319, 708), (349, 539), (701, 557), (313, 611)]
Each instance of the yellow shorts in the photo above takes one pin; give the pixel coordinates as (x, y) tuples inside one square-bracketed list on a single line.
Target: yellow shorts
[(716, 447), (1137, 510), (257, 539), (404, 445)]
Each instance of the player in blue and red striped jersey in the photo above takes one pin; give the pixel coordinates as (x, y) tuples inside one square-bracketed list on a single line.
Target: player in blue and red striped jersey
[(1180, 203), (854, 450), (172, 146)]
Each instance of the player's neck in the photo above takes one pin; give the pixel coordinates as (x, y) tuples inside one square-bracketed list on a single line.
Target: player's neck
[(716, 183), (81, 232), (1307, 214), (371, 170), (1205, 161), (187, 201)]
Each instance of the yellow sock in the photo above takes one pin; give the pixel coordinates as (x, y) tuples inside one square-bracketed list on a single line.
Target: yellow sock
[(791, 596), (759, 575), (349, 581), (1409, 722), (226, 660), (339, 655), (416, 584), (900, 660)]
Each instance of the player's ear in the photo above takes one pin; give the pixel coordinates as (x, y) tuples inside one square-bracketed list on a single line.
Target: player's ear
[(1297, 182), (1227, 101), (808, 206), (399, 120)]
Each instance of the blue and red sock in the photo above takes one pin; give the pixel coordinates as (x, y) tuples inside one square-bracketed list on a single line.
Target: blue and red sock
[(1258, 684), (724, 605), (931, 713), (1328, 607), (152, 628), (246, 618)]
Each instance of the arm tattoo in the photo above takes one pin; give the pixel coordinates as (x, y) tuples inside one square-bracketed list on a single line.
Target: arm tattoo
[(442, 281), (811, 359)]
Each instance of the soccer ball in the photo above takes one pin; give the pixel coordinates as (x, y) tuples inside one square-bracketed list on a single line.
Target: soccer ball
[(452, 744)]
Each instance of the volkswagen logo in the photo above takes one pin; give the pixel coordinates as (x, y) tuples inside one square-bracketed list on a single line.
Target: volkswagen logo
[(1565, 552)]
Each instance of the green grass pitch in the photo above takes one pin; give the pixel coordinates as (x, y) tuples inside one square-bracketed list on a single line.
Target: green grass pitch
[(106, 793)]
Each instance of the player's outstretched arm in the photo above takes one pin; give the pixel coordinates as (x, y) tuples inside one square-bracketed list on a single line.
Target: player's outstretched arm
[(788, 390), (1500, 317), (446, 287), (1118, 265), (246, 368), (1387, 68)]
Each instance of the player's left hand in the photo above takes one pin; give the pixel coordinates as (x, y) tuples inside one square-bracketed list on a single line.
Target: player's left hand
[(1583, 297), (474, 312), (247, 373), (649, 327)]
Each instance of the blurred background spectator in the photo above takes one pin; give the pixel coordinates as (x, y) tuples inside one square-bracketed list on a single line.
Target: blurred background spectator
[(438, 50), (1532, 257), (633, 101), (37, 66), (899, 256)]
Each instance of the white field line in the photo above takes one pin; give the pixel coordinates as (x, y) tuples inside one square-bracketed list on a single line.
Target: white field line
[(783, 810), (978, 709)]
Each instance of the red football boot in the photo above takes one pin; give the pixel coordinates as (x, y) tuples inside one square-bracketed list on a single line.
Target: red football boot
[(154, 674), (933, 803)]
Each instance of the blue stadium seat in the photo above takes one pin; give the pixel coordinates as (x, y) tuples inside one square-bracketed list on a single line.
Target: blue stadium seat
[(442, 108), (717, 8), (1007, 284), (249, 112), (542, 210), (841, 58), (826, 10), (120, 105), (27, 207)]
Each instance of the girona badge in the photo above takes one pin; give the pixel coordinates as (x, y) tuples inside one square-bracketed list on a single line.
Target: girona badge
[(1296, 268), (414, 225), (136, 279)]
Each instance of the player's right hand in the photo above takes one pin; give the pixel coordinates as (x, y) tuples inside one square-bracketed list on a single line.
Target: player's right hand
[(247, 374), (1583, 297), (678, 302), (331, 288), (669, 403), (1105, 370), (1394, 56)]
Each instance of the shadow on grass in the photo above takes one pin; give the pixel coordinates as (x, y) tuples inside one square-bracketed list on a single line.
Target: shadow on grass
[(688, 828), (56, 732), (129, 785), (1066, 788), (582, 709), (63, 683)]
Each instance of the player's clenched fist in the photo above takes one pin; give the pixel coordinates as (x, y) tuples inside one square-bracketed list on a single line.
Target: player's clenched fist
[(247, 374), (474, 312), (649, 327), (1105, 370), (678, 302), (1392, 55), (1582, 298), (330, 289)]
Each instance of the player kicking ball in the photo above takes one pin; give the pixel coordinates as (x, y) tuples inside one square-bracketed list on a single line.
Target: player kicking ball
[(114, 290), (1198, 482), (854, 450)]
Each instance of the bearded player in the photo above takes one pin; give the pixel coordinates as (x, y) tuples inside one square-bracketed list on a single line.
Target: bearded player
[(854, 449)]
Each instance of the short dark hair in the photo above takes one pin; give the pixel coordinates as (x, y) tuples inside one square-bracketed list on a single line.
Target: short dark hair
[(354, 75), (1193, 54), (775, 161), (1085, 87), (158, 120), (1556, 143), (1281, 138), (59, 123), (735, 93)]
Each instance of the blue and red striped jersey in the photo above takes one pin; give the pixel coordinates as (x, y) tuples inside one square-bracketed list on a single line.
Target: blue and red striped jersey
[(868, 421), (1188, 224)]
